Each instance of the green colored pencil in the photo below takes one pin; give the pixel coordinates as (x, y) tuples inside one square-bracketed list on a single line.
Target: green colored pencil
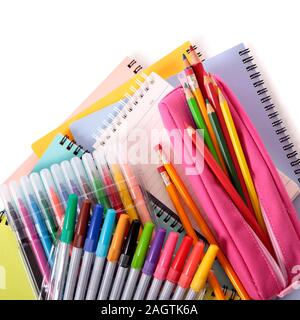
[(199, 121), (224, 149)]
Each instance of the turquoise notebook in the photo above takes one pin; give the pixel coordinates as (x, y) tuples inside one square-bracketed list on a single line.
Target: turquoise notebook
[(60, 149)]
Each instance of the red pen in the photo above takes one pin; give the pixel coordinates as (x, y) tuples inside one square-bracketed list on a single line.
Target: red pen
[(176, 268)]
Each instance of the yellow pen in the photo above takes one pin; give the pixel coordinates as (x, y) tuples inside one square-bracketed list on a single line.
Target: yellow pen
[(199, 281), (241, 160), (124, 193)]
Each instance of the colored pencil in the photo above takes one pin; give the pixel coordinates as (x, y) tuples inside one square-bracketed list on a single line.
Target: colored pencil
[(212, 90), (228, 187), (197, 215), (187, 224), (224, 149), (185, 62), (199, 121), (241, 159), (192, 81)]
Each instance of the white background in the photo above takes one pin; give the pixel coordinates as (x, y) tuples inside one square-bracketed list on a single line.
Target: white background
[(54, 53)]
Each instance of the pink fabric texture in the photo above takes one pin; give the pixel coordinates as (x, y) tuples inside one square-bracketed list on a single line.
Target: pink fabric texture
[(235, 237)]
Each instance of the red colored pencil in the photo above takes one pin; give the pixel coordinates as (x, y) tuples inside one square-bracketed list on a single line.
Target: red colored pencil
[(215, 101), (229, 188)]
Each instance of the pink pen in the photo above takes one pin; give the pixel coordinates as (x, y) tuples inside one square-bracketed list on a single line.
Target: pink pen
[(136, 193), (30, 231), (163, 266)]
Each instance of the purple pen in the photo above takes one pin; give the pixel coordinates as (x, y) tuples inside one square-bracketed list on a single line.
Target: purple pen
[(150, 264)]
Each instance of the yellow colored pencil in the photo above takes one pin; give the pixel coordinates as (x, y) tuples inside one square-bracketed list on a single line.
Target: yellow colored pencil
[(241, 159)]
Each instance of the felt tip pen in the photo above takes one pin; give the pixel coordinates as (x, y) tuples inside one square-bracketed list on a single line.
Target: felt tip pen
[(113, 256), (70, 179), (30, 230), (163, 266), (199, 281), (79, 236), (176, 268), (138, 261), (44, 204), (82, 180), (95, 179), (101, 253), (63, 253), (189, 271), (53, 195), (90, 246), (37, 218), (125, 260), (60, 184), (150, 264)]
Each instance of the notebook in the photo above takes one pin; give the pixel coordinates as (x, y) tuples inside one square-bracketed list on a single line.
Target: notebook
[(14, 278), (60, 149), (23, 287), (166, 67), (122, 73)]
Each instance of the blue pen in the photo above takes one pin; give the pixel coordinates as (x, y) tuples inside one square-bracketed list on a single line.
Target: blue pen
[(90, 246), (38, 219), (101, 253)]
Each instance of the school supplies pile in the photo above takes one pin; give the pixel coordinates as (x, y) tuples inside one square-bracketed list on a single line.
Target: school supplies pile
[(170, 191)]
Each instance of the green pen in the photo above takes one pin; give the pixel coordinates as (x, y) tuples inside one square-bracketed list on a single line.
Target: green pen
[(138, 261), (45, 205), (95, 179), (199, 121), (63, 248)]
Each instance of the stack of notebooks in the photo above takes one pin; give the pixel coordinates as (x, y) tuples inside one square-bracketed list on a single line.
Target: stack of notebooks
[(91, 127)]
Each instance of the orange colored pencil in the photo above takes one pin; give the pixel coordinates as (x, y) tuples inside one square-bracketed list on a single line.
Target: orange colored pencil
[(181, 188)]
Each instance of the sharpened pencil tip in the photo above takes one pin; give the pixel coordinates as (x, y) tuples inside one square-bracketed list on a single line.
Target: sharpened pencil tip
[(184, 57)]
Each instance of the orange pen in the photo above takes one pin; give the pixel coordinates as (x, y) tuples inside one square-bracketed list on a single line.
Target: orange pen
[(181, 188), (136, 193), (113, 256)]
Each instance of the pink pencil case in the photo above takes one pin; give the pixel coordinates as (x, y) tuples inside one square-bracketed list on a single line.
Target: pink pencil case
[(262, 276)]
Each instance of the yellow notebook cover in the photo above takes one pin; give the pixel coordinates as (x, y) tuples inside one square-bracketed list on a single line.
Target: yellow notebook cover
[(166, 67), (15, 283)]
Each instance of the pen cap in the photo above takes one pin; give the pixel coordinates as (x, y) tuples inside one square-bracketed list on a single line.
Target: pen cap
[(106, 233), (166, 256), (191, 265), (142, 247), (80, 174), (69, 176), (92, 238), (130, 244), (69, 220), (60, 183), (118, 238), (82, 224), (12, 215), (90, 166), (179, 260), (154, 251), (27, 191), (199, 280)]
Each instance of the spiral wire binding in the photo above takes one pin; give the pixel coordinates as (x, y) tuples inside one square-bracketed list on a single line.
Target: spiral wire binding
[(266, 101), (69, 144), (133, 64)]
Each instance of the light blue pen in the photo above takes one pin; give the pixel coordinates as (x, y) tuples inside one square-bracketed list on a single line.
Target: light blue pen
[(38, 219), (101, 253)]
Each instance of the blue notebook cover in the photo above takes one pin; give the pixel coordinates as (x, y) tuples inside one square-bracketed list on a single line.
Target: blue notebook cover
[(60, 149)]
